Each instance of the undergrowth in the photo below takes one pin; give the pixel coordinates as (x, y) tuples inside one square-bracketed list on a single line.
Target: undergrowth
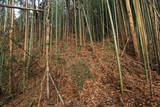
[(80, 74)]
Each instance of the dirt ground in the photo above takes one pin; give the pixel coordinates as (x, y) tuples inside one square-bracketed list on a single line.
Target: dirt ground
[(87, 77)]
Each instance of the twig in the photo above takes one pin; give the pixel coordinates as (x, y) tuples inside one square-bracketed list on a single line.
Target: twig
[(60, 97), (41, 90), (125, 47)]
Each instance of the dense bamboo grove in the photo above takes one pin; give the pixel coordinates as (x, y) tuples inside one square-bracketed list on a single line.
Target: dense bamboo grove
[(38, 26)]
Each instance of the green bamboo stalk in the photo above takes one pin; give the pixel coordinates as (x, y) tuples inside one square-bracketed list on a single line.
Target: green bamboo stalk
[(103, 22), (75, 26), (143, 36), (6, 16), (56, 26), (26, 42), (11, 35), (116, 47), (80, 25), (31, 40), (89, 30)]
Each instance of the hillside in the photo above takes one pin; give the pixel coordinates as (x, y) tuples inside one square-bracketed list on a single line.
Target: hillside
[(89, 79)]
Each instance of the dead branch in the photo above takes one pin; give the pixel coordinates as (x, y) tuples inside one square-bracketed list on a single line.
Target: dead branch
[(22, 8)]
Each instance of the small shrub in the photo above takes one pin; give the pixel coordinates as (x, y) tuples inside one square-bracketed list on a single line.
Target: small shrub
[(80, 73)]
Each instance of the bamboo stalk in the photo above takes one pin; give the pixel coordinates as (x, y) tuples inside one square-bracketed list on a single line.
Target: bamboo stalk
[(6, 17), (133, 32), (47, 47), (143, 36), (11, 49), (116, 48), (26, 42), (89, 29), (56, 26)]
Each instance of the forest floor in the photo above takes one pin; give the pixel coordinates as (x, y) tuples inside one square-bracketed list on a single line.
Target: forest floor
[(89, 78)]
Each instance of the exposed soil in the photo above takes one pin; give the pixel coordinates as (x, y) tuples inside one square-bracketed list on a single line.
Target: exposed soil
[(90, 78)]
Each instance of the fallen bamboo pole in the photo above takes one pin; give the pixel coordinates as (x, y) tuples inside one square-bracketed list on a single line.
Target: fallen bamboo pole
[(22, 8)]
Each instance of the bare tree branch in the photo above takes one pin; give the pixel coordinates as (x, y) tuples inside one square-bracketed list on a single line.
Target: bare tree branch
[(22, 8)]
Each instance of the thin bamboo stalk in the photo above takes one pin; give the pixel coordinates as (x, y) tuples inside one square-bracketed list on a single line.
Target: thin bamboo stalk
[(89, 29), (26, 41), (6, 17), (11, 35), (47, 46), (116, 48)]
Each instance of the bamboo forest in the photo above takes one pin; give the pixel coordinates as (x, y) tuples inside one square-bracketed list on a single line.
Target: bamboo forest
[(79, 53)]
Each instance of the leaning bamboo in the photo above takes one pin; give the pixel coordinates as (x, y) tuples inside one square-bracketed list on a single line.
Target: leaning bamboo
[(116, 47)]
